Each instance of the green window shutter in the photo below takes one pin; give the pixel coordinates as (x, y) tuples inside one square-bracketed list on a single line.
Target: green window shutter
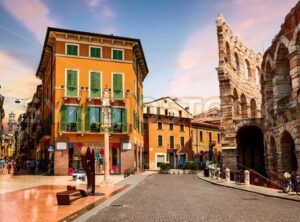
[(112, 119), (87, 119), (134, 121), (143, 127), (71, 83), (117, 86), (100, 119), (95, 83), (118, 54), (124, 119), (79, 119), (142, 99), (95, 52), (63, 123), (138, 95), (72, 50)]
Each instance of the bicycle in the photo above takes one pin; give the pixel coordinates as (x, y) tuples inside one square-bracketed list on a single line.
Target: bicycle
[(291, 183)]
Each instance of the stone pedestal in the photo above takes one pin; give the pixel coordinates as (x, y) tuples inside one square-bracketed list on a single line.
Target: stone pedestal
[(246, 177)]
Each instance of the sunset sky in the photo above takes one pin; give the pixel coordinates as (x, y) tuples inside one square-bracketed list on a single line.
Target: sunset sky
[(178, 37)]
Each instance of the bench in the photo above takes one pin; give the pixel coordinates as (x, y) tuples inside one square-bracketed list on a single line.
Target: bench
[(63, 198)]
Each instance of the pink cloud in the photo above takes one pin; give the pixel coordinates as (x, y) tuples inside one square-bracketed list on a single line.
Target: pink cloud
[(33, 14), (93, 3)]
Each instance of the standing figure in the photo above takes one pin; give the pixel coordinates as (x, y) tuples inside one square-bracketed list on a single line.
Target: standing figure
[(88, 163)]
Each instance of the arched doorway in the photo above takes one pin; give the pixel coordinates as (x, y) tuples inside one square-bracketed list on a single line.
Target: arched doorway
[(288, 154), (250, 148), (273, 155)]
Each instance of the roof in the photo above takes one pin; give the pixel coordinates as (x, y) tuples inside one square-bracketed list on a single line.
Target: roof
[(167, 97), (53, 29), (208, 125)]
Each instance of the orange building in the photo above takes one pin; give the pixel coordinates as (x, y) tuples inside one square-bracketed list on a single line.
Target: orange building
[(75, 67), (167, 133)]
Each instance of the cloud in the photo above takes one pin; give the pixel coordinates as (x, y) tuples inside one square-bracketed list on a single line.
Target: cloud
[(93, 3), (17, 81), (33, 14)]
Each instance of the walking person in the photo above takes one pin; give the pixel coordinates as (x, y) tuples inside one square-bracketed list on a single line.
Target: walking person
[(2, 165), (9, 164)]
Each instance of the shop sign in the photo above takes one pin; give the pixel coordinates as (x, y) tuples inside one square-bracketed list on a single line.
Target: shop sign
[(126, 146), (61, 145)]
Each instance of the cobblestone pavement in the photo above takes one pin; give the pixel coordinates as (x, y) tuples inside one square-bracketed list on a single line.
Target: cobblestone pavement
[(187, 198)]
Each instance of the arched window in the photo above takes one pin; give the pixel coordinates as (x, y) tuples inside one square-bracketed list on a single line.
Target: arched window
[(257, 76), (247, 69), (253, 108), (227, 56), (244, 106), (236, 62), (236, 104), (268, 89)]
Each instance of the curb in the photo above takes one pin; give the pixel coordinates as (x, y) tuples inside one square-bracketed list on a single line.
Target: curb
[(250, 191), (95, 210)]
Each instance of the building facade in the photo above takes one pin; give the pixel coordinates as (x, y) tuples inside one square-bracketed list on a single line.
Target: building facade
[(167, 133), (239, 82), (75, 67), (281, 97), (206, 140)]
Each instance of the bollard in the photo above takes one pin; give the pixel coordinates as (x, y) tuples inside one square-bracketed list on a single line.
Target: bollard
[(227, 174), (246, 177)]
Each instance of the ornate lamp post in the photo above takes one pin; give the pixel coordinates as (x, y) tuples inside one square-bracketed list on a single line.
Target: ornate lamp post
[(106, 124)]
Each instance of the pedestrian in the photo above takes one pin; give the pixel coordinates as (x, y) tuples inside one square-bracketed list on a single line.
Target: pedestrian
[(2, 165), (9, 164), (18, 166)]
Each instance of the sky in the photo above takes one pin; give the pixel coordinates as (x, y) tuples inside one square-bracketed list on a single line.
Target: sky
[(178, 37)]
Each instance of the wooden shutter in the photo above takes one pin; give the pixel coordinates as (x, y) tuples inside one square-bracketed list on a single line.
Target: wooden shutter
[(124, 120), (79, 119), (87, 119), (95, 82), (63, 123), (71, 83), (138, 95), (118, 86)]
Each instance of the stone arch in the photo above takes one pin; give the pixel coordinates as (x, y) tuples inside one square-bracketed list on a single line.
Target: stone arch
[(253, 108), (236, 62), (272, 155), (283, 41), (288, 152), (250, 148), (269, 88), (247, 70), (236, 103), (244, 108), (228, 53), (283, 83)]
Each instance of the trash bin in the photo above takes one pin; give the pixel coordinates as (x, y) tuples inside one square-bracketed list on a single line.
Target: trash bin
[(206, 172)]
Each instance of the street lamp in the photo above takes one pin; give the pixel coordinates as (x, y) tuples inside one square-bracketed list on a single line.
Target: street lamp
[(106, 124)]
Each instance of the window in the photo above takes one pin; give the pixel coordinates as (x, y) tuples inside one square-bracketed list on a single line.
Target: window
[(72, 83), (166, 112), (182, 142), (158, 110), (171, 142), (95, 52), (93, 119), (159, 125), (95, 84), (72, 50), (180, 113), (171, 126), (117, 86), (70, 118), (159, 160), (181, 127), (119, 120), (160, 140), (219, 138), (117, 54), (148, 110), (210, 138), (201, 136)]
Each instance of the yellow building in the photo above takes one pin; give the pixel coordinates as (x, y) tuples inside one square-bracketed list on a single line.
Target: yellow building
[(206, 140), (167, 133), (75, 67)]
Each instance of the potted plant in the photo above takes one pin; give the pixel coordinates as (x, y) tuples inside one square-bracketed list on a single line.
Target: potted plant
[(164, 168)]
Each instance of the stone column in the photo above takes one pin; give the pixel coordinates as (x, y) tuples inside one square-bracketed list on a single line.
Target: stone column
[(227, 175), (106, 153), (246, 177)]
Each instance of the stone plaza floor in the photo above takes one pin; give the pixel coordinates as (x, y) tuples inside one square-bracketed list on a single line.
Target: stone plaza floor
[(33, 198)]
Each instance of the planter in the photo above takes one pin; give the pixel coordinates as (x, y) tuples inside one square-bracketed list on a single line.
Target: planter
[(164, 171)]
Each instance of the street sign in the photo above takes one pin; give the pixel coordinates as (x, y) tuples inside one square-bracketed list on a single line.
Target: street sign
[(50, 148)]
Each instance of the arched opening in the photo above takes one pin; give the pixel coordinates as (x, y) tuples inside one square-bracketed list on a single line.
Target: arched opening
[(236, 62), (236, 104), (227, 56), (282, 81), (273, 155), (253, 108), (269, 89), (247, 69), (244, 106), (288, 154), (257, 76), (250, 148)]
